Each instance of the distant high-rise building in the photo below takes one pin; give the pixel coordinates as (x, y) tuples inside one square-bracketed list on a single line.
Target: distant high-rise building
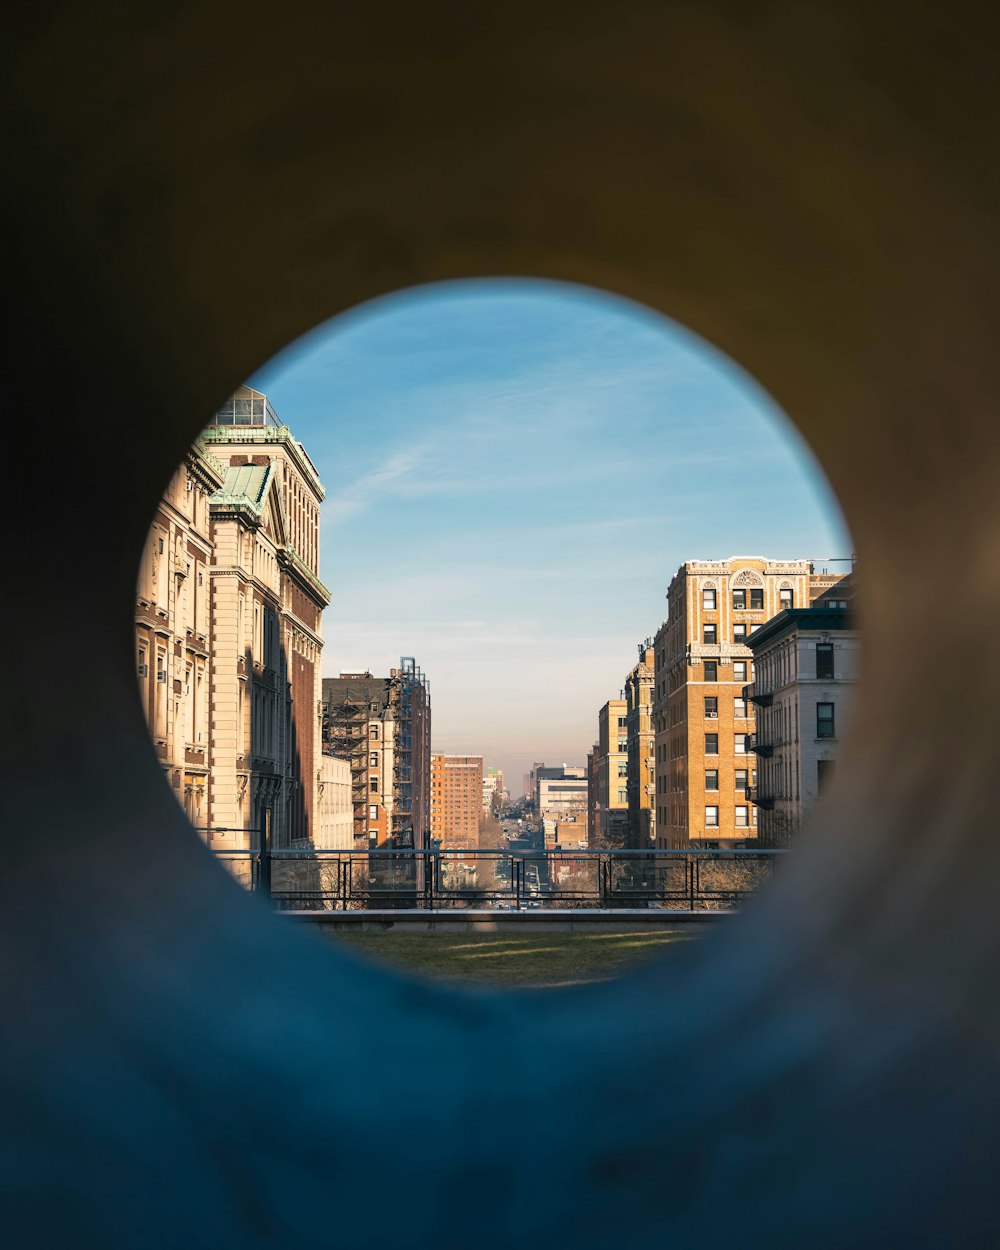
[(492, 792), (562, 791), (456, 800), (383, 726), (593, 794), (703, 722)]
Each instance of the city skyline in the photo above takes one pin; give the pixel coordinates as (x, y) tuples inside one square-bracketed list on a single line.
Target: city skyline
[(514, 471)]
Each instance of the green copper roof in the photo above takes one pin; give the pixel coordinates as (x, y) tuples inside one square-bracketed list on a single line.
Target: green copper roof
[(245, 485)]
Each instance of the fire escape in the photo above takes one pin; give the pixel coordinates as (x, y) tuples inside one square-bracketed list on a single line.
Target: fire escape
[(345, 734), (409, 694)]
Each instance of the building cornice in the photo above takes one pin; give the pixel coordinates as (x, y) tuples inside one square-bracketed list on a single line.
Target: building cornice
[(242, 435), (206, 468), (289, 559)]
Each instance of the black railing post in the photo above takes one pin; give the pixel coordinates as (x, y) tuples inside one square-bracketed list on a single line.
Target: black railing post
[(692, 862), (265, 870), (516, 867)]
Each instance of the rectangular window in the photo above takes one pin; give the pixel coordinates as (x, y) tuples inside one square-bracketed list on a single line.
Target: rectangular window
[(741, 779), (711, 779), (373, 733), (739, 599), (739, 633), (711, 744), (742, 816), (711, 670), (740, 746), (712, 706), (710, 633), (740, 709), (824, 660), (373, 814), (739, 670), (708, 600), (824, 774), (373, 759), (622, 722), (711, 818), (373, 784), (757, 599), (825, 727), (623, 744), (785, 599), (622, 795)]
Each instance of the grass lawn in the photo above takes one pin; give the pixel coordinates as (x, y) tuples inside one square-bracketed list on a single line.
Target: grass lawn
[(536, 959)]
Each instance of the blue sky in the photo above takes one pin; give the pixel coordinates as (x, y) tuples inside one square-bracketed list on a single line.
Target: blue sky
[(514, 471)]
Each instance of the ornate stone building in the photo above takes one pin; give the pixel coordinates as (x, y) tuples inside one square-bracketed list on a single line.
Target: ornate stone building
[(267, 601), (229, 627), (640, 751), (172, 629)]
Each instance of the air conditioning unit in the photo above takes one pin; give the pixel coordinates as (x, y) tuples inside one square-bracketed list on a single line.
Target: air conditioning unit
[(161, 674), (712, 715), (143, 670)]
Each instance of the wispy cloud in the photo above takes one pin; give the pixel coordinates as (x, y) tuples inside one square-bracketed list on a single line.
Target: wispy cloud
[(514, 472)]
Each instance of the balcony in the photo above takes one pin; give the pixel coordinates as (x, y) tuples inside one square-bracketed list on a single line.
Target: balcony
[(758, 799), (763, 750), (758, 699)]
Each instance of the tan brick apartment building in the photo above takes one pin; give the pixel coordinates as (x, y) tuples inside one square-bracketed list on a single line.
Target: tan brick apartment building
[(612, 774), (456, 800), (228, 611), (703, 723)]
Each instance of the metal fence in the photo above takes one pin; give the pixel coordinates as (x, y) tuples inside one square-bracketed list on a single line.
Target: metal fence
[(501, 880)]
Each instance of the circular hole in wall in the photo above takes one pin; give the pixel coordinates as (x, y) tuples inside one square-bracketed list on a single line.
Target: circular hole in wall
[(505, 601)]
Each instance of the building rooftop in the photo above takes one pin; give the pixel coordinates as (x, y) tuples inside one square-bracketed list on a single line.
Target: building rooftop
[(247, 407), (825, 620)]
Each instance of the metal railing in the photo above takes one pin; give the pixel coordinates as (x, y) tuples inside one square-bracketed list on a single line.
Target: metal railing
[(500, 880)]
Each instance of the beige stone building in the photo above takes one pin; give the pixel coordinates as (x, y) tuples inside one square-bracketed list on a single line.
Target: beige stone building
[(336, 811), (612, 774), (703, 722), (228, 637), (173, 629), (640, 748), (806, 664), (563, 794), (267, 603)]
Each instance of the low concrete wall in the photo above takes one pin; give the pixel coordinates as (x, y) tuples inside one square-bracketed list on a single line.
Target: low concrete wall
[(565, 920)]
